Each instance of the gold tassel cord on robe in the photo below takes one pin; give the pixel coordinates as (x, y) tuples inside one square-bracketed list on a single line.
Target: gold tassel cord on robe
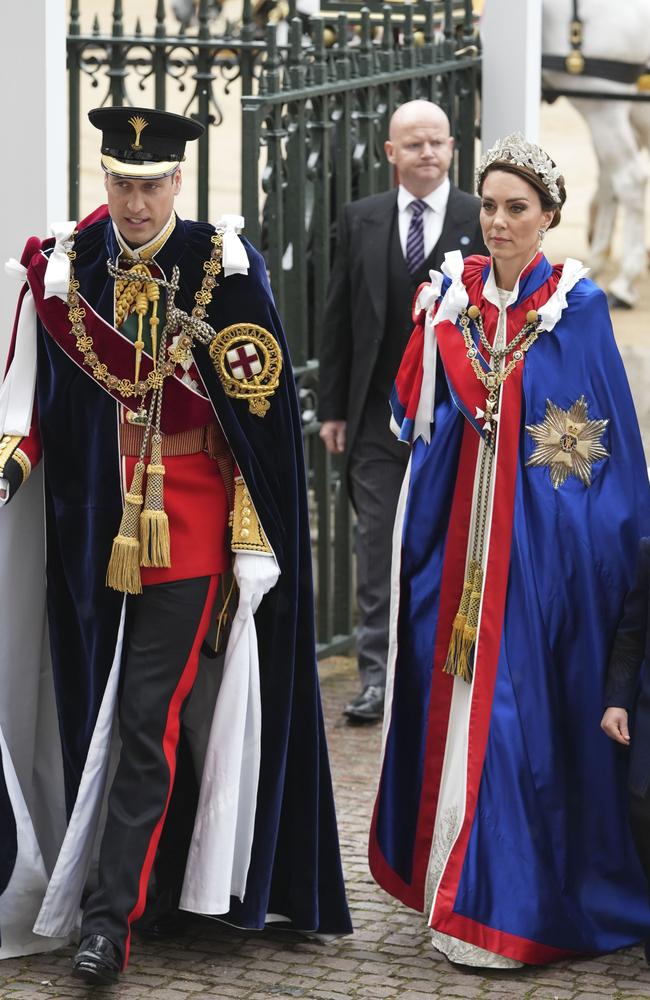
[(144, 536), (153, 295), (468, 641), (135, 287), (155, 545), (124, 566), (462, 644), (128, 289), (141, 307), (155, 548), (224, 620), (458, 628)]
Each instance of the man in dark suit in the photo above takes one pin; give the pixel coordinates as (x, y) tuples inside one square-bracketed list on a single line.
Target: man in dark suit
[(628, 690), (387, 243)]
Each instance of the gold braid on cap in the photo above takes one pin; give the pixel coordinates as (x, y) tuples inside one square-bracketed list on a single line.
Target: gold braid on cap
[(515, 149)]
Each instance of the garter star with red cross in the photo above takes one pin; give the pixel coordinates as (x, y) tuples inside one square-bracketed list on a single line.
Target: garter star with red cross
[(248, 361), (244, 361)]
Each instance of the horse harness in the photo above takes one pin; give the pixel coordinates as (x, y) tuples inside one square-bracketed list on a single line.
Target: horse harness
[(580, 65)]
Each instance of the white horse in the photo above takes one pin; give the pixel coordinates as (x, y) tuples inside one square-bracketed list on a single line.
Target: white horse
[(187, 11), (619, 129)]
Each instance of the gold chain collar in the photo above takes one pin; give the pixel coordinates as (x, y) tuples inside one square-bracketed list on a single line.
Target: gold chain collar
[(124, 387), (493, 379)]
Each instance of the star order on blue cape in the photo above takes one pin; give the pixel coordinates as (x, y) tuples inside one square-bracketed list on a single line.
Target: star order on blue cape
[(568, 442)]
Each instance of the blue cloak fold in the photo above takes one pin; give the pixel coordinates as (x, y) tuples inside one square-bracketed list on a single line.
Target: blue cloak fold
[(549, 867)]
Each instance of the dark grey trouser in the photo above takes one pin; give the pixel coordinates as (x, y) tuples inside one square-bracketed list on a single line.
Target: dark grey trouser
[(165, 626), (376, 470)]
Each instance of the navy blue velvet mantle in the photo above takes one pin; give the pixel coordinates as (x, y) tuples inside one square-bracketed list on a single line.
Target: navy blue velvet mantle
[(295, 868)]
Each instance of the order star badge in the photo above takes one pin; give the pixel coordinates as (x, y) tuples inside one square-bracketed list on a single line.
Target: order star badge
[(568, 442)]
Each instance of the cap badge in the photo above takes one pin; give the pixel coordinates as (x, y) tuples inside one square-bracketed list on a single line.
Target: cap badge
[(139, 124)]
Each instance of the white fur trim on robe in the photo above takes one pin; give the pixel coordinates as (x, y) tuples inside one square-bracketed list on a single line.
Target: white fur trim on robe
[(426, 300), (19, 902), (454, 299), (17, 390), (57, 274), (551, 311), (220, 851), (235, 258), (29, 730)]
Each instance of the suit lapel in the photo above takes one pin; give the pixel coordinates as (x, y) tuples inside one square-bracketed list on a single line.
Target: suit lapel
[(375, 237), (456, 225)]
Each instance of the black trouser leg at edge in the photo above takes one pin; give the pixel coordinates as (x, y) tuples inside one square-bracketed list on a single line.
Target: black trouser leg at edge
[(165, 626), (639, 807), (640, 825)]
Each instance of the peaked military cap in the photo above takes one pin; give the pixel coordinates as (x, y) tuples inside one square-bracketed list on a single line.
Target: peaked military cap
[(141, 142)]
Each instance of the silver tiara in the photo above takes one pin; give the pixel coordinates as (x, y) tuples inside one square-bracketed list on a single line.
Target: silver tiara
[(515, 149)]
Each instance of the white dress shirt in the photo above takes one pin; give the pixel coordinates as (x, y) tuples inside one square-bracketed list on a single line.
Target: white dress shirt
[(432, 218)]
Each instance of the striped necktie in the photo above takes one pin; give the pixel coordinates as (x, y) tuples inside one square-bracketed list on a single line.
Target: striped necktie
[(415, 237)]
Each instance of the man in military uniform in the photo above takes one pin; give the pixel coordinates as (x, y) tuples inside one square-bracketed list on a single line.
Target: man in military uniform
[(154, 380)]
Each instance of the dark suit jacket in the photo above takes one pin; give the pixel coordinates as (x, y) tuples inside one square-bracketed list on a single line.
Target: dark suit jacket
[(355, 311), (628, 676)]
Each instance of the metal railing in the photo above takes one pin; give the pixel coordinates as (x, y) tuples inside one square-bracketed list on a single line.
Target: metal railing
[(314, 118), (321, 117), (135, 67), (123, 66), (320, 120)]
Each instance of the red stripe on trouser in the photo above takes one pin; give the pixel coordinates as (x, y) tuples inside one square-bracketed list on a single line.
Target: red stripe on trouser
[(170, 743)]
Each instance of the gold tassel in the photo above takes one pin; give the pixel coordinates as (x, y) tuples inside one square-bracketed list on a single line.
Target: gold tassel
[(153, 294), (468, 642), (224, 619), (123, 571), (155, 546), (460, 621), (141, 306)]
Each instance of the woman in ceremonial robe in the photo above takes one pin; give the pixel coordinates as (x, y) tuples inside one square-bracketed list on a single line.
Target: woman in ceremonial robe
[(501, 807)]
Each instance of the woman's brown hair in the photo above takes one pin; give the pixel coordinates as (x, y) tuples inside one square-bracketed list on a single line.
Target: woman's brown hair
[(535, 181)]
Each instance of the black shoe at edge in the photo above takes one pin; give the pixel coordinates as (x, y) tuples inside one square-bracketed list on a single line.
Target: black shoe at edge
[(368, 706), (97, 962)]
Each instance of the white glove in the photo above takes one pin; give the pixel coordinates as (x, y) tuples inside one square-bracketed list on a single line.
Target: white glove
[(255, 575)]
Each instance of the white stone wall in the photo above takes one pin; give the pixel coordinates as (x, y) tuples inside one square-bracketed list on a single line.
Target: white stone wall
[(33, 166), (511, 33)]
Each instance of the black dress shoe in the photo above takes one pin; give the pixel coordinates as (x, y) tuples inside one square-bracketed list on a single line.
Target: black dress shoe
[(368, 707), (351, 705), (97, 962)]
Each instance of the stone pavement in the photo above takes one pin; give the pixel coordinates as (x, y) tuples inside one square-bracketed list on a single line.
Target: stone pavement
[(387, 958)]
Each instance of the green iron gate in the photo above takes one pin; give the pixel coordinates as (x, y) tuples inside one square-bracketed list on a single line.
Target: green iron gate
[(314, 117)]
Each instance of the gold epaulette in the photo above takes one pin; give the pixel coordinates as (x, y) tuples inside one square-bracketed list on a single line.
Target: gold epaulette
[(247, 532), (9, 449)]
